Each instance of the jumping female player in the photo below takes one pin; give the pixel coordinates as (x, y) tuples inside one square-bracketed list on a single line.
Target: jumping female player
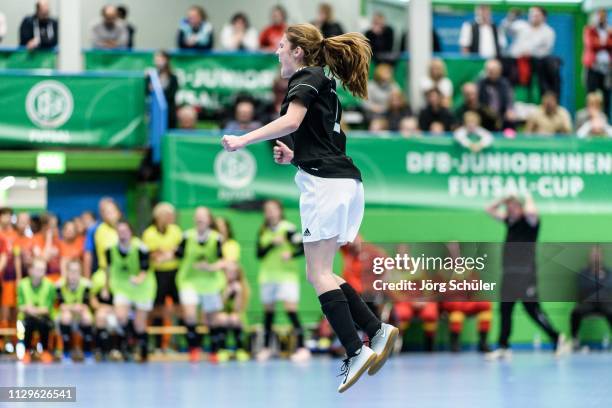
[(332, 198)]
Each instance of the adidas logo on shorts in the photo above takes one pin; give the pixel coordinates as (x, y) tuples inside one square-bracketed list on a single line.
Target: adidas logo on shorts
[(306, 233)]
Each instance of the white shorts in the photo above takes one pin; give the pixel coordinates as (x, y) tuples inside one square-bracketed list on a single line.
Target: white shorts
[(279, 292), (122, 300), (210, 303), (330, 207)]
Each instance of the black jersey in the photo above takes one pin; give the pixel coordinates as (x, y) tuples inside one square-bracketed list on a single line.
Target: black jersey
[(520, 245), (319, 144)]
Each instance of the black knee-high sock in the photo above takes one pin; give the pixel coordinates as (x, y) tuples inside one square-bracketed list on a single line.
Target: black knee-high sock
[(66, 331), (103, 340), (214, 336), (361, 313), (297, 328), (158, 322), (87, 337), (268, 320), (221, 337), (194, 340), (125, 338), (143, 346), (336, 309), (237, 333)]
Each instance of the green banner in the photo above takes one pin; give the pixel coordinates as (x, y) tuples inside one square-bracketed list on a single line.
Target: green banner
[(22, 59), (564, 175), (79, 110)]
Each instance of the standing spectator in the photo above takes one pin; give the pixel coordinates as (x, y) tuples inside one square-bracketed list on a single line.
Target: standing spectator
[(593, 110), (533, 38), (549, 118), (2, 26), (111, 32), (70, 247), (481, 37), (239, 35), (272, 34), (38, 31), (435, 114), (437, 79), (46, 245), (326, 23), (380, 89), (495, 92), (397, 110), (244, 117), (597, 56), (23, 244), (8, 276), (195, 32), (162, 238), (122, 12), (486, 116), (467, 134), (380, 36), (169, 83)]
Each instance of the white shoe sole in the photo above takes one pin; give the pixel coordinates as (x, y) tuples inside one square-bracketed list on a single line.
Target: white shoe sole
[(381, 358), (359, 373)]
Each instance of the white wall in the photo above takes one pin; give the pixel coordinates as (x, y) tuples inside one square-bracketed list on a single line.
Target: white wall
[(156, 21)]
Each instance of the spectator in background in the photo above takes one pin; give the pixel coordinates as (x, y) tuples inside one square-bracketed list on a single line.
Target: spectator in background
[(481, 37), (471, 135), (378, 124), (550, 118), (495, 92), (487, 118), (533, 38), (169, 83), (111, 32), (380, 36), (8, 271), (397, 110), (594, 105), (239, 35), (434, 117), (38, 31), (272, 109), (272, 34), (596, 127), (22, 245), (597, 56), (187, 117), (409, 127), (122, 12), (437, 79), (2, 26), (244, 117), (380, 89), (326, 23), (195, 32)]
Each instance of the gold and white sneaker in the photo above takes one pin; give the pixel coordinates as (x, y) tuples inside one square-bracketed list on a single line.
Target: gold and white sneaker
[(264, 354), (564, 346), (382, 344), (301, 355), (355, 366)]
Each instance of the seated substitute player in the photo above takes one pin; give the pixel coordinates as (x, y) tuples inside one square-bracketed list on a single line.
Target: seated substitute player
[(235, 300), (132, 284), (278, 244), (73, 299), (35, 300), (461, 304), (101, 302), (201, 282)]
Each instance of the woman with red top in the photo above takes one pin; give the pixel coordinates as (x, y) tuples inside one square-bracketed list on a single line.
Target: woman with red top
[(272, 34), (597, 56), (46, 245)]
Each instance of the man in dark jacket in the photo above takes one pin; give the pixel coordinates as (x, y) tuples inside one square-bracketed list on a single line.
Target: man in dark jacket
[(39, 31), (495, 92)]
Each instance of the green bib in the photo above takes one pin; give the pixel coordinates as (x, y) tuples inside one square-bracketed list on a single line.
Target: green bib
[(190, 278), (272, 267), (123, 268), (42, 296), (77, 296)]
